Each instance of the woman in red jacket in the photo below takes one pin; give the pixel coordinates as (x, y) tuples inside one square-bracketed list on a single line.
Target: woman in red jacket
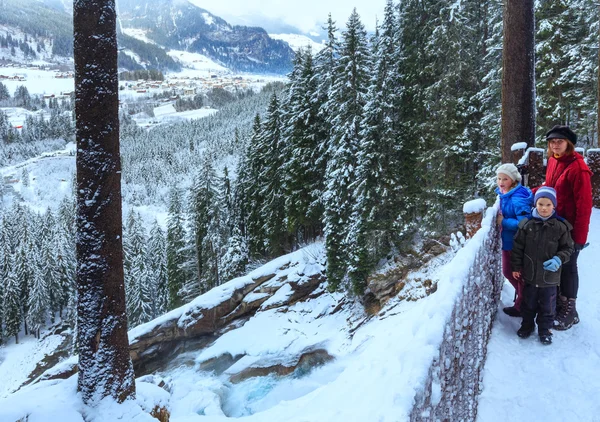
[(568, 174)]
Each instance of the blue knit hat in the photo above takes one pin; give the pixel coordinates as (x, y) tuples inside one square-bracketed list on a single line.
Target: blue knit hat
[(545, 192)]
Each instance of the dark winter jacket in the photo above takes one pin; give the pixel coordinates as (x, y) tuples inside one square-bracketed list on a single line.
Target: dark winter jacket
[(571, 178), (537, 241), (515, 205)]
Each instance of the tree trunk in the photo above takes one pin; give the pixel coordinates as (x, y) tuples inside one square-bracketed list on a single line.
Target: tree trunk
[(105, 367), (598, 93), (518, 76)]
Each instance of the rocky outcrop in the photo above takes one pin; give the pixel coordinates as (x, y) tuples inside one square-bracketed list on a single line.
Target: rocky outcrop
[(301, 364), (197, 324)]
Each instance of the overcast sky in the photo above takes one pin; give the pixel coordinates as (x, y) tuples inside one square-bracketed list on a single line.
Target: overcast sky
[(306, 15)]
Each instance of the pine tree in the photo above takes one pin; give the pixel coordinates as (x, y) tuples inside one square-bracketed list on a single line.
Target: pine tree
[(566, 58), (49, 268), (158, 270), (138, 294), (270, 153), (176, 258), (487, 137), (235, 257), (349, 97), (303, 138), (203, 201), (38, 298), (254, 193), (66, 259), (11, 308), (379, 191)]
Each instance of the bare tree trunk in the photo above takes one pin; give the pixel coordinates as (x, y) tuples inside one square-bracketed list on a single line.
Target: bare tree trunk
[(105, 367), (518, 76)]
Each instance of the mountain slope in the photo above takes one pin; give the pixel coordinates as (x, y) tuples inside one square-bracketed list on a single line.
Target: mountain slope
[(44, 30), (180, 25)]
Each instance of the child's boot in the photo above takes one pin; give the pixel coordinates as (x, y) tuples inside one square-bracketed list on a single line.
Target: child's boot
[(511, 311), (545, 336), (525, 330), (567, 315)]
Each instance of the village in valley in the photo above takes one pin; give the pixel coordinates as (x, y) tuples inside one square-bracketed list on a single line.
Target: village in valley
[(57, 82)]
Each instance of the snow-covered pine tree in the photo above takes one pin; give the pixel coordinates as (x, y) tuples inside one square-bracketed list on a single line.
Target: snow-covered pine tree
[(3, 274), (241, 191), (139, 296), (157, 249), (39, 297), (202, 205), (566, 51), (176, 257), (26, 262), (235, 258), (582, 72), (253, 193), (379, 192), (348, 97), (226, 200), (11, 308), (136, 275), (270, 153), (324, 77), (49, 267), (65, 259), (487, 129), (555, 36), (303, 136)]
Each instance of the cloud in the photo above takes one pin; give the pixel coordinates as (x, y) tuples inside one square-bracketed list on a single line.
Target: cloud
[(306, 15)]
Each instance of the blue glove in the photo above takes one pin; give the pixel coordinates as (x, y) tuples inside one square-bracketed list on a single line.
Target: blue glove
[(552, 264)]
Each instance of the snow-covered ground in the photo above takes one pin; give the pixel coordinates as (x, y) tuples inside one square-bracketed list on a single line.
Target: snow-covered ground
[(36, 81), (524, 380), (296, 41), (380, 362)]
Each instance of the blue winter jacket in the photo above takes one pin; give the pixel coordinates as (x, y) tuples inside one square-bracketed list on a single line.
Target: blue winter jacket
[(516, 205)]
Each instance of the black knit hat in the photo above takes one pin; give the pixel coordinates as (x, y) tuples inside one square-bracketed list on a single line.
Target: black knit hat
[(562, 132)]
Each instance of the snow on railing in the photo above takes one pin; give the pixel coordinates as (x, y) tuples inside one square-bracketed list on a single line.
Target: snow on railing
[(454, 382)]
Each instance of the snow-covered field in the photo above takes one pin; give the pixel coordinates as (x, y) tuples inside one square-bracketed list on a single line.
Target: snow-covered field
[(37, 81)]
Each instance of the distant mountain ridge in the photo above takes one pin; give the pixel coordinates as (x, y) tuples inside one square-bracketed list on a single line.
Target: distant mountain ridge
[(180, 25), (170, 24)]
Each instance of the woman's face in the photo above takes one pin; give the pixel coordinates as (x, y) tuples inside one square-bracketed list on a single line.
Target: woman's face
[(558, 146)]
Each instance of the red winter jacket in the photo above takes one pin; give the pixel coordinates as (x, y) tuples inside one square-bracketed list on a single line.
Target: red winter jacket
[(571, 178)]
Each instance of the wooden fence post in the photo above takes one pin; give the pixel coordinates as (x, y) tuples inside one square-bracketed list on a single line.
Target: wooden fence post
[(473, 211), (536, 173), (593, 162), (518, 150)]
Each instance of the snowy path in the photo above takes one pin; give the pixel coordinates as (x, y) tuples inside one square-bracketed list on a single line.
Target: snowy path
[(524, 380)]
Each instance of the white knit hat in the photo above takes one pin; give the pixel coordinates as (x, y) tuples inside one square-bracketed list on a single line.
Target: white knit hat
[(510, 170)]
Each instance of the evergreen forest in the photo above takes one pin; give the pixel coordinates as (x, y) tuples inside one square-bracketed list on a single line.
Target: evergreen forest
[(373, 145)]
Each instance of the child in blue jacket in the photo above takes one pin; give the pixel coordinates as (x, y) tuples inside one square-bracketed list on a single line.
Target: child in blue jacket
[(516, 203)]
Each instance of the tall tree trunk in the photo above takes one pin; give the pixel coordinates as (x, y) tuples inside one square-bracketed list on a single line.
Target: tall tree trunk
[(518, 76), (105, 367), (598, 91)]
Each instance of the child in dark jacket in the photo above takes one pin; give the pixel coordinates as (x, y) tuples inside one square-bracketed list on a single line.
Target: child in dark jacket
[(540, 248), (516, 202)]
